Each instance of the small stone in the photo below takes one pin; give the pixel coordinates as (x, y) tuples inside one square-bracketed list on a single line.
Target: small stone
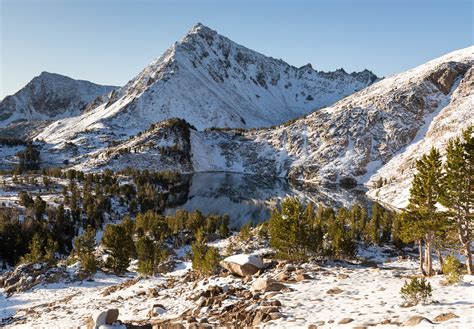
[(282, 276), (275, 315), (414, 320), (334, 291), (303, 276), (262, 284), (346, 320), (290, 268), (445, 317), (275, 302), (271, 294)]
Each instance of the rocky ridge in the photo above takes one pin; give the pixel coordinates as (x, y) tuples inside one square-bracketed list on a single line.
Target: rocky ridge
[(211, 81), (51, 96), (357, 140)]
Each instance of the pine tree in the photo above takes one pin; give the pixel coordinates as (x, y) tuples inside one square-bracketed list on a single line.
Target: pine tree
[(35, 247), (145, 252), (84, 248), (120, 246), (205, 259), (424, 221), (50, 250), (458, 194), (291, 230)]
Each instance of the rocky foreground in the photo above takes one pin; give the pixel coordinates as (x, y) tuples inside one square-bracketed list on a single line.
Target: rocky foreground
[(248, 291)]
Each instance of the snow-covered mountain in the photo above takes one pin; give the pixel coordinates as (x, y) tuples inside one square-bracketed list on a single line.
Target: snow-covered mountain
[(50, 96), (376, 132), (211, 81)]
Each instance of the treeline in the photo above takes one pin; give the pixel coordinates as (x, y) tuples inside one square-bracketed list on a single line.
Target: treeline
[(299, 231), (11, 141), (439, 217), (151, 238), (87, 201), (29, 158), (33, 233)]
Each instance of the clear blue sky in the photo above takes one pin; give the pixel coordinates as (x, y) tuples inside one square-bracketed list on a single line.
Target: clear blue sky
[(109, 42)]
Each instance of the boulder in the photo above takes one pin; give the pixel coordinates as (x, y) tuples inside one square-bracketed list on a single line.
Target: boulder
[(112, 316), (242, 264), (262, 284), (102, 318), (166, 266), (445, 317), (156, 310), (415, 320)]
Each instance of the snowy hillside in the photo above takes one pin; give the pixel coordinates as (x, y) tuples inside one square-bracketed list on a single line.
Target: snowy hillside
[(50, 96), (445, 124), (352, 139), (212, 82)]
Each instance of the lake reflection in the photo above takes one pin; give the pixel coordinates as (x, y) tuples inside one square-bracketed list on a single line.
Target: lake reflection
[(250, 198)]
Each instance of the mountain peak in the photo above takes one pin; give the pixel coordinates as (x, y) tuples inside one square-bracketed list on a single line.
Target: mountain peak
[(201, 29), (48, 75)]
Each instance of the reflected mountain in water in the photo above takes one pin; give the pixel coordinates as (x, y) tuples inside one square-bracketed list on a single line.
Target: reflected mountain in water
[(250, 198)]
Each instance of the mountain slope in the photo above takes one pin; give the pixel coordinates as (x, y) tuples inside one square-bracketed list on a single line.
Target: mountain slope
[(355, 137), (213, 82), (50, 96), (397, 174)]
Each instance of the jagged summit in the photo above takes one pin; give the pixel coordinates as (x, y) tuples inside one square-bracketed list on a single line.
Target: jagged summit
[(201, 29), (211, 81)]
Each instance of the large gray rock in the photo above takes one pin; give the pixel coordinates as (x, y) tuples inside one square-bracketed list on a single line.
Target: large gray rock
[(102, 318), (242, 264)]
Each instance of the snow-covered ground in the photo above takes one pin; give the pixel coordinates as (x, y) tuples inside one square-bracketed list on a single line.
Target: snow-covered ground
[(368, 295)]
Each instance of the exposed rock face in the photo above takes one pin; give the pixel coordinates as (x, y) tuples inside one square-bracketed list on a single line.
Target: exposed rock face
[(445, 76), (457, 115), (165, 146), (49, 96), (26, 276)]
